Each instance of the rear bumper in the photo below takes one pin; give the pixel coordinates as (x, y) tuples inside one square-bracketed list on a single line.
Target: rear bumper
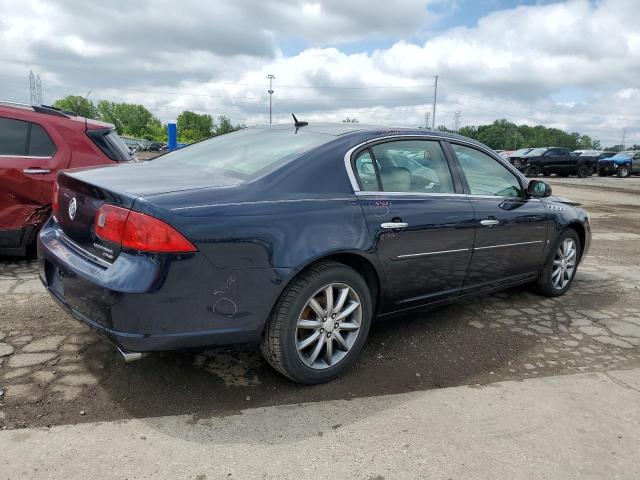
[(145, 303)]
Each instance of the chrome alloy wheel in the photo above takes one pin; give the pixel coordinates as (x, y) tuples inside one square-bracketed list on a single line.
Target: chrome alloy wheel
[(328, 326), (564, 263)]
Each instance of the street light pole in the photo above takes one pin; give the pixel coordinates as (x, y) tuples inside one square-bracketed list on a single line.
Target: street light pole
[(435, 97), (271, 78)]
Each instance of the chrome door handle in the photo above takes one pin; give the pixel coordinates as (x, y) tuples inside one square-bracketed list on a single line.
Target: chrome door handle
[(36, 171), (393, 225), (489, 222)]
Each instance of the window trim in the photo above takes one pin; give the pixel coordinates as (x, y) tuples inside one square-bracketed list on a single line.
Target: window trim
[(522, 181)]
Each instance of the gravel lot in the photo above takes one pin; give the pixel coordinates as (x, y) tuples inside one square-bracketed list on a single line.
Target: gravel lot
[(54, 371)]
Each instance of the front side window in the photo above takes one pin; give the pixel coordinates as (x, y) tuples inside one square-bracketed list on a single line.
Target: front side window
[(417, 166), (13, 136), (485, 175)]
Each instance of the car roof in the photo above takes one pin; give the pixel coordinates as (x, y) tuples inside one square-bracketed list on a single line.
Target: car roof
[(47, 112), (344, 128)]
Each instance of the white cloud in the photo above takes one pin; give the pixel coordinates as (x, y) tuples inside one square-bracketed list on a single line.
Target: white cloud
[(518, 63)]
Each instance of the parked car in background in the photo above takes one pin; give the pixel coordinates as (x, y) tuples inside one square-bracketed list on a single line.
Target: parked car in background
[(296, 238), (516, 157), (622, 164), (36, 142), (589, 158), (556, 160)]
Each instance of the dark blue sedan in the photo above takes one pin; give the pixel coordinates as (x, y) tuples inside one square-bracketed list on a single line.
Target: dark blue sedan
[(296, 238)]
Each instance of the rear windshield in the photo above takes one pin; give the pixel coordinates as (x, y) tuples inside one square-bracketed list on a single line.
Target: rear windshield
[(107, 140), (246, 153)]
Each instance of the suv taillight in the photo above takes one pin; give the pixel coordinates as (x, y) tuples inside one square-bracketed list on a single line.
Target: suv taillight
[(138, 231), (55, 202)]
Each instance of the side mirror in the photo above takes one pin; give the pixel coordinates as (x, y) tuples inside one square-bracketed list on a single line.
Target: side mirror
[(538, 189)]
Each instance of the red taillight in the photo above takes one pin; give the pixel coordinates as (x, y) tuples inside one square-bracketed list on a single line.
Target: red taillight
[(139, 231), (55, 203), (110, 222)]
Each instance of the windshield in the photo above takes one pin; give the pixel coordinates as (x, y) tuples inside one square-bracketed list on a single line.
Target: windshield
[(246, 153), (522, 151), (536, 152)]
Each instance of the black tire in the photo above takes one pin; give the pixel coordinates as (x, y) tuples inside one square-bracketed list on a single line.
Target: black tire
[(533, 170), (624, 171), (546, 174), (544, 284), (279, 340), (563, 175), (584, 171)]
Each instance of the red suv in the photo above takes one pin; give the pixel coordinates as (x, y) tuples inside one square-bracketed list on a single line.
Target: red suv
[(36, 142)]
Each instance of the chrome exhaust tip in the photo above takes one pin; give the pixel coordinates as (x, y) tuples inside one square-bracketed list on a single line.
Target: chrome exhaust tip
[(130, 356)]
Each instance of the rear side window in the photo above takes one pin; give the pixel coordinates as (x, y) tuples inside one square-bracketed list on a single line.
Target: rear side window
[(108, 141), (13, 136), (412, 166), (40, 145), (21, 138), (366, 172)]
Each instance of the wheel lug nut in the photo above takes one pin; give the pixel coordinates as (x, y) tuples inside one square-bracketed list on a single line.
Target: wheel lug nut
[(322, 330), (333, 316), (324, 319), (328, 335), (337, 325)]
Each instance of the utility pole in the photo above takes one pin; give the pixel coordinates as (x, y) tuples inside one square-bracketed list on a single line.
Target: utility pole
[(427, 116), (435, 99), (456, 121), (271, 78), (624, 137), (38, 90), (32, 88)]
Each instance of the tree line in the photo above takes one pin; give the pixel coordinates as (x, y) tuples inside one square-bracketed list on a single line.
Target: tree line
[(505, 135), (137, 121)]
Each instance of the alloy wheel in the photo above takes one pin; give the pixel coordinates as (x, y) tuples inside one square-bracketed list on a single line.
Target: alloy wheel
[(564, 263), (328, 326)]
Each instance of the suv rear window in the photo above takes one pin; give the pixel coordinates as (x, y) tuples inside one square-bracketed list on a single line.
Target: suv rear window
[(246, 153), (107, 140)]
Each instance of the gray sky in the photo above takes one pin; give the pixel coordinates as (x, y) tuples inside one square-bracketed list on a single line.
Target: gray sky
[(573, 65)]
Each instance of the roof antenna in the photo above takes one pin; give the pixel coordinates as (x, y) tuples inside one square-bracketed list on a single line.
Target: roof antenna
[(298, 123)]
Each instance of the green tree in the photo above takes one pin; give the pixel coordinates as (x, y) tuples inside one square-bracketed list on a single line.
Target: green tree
[(78, 105), (129, 119), (350, 120), (225, 125), (194, 126)]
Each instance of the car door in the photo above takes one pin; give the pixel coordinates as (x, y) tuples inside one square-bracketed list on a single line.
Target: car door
[(420, 221), (29, 161), (635, 163), (511, 229)]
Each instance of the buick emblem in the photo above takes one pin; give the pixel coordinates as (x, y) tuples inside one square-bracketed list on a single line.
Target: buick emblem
[(73, 207)]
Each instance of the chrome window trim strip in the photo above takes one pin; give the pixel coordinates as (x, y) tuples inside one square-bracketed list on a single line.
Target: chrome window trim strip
[(507, 245), (259, 202), (31, 157), (441, 252), (407, 194)]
